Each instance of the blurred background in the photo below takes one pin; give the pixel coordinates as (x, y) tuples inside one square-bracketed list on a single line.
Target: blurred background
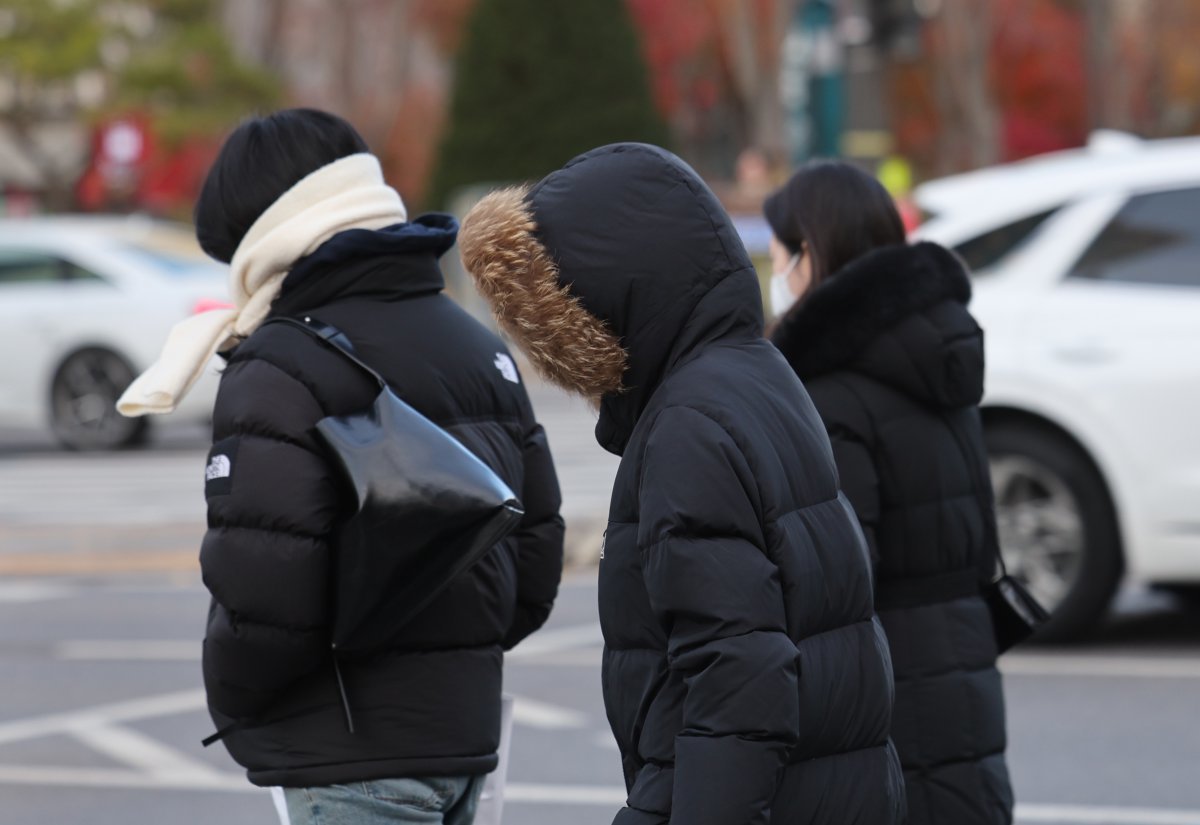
[(1048, 142)]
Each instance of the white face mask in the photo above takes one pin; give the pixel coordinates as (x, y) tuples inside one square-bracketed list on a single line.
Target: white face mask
[(782, 297)]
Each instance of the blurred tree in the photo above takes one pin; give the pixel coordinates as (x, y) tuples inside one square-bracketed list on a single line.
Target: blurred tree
[(1039, 76), (963, 37), (715, 66), (184, 76), (538, 83), (1178, 92), (166, 61), (50, 60)]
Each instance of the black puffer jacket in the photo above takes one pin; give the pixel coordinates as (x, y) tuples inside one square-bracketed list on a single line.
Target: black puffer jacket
[(430, 706), (745, 676), (894, 363)]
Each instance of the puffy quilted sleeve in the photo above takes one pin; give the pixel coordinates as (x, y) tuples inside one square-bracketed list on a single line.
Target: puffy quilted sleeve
[(272, 509), (719, 599), (539, 540)]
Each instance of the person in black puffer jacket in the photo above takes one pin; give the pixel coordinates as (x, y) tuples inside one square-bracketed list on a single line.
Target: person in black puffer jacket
[(882, 338), (745, 676), (295, 193)]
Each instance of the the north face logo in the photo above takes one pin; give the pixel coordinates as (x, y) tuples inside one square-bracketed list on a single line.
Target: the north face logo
[(218, 467), (507, 368)]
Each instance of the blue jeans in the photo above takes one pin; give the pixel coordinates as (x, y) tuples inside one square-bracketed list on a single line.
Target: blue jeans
[(448, 801)]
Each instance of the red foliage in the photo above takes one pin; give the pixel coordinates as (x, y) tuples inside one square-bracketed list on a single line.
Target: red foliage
[(1039, 76), (674, 33)]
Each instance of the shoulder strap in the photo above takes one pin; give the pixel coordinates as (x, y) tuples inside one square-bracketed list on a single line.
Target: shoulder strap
[(333, 338)]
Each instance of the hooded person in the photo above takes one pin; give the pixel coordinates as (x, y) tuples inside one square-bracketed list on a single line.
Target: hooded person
[(879, 332), (301, 209), (745, 677)]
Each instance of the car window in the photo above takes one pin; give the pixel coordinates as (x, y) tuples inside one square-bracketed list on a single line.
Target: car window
[(75, 272), (24, 267), (1154, 239), (171, 264), (985, 251)]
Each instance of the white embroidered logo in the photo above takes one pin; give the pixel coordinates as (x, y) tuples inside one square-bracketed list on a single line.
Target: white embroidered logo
[(219, 467), (507, 368)]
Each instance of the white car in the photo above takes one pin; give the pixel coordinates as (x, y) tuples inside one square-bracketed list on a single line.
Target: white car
[(85, 305), (1087, 285)]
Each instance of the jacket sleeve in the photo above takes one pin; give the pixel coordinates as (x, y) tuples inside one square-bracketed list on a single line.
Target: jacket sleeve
[(272, 509), (539, 540), (719, 600)]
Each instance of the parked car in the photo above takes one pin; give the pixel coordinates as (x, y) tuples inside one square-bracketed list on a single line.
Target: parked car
[(1087, 267), (85, 305)]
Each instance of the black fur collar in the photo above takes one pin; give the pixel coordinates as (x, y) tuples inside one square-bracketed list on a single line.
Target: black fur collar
[(833, 324)]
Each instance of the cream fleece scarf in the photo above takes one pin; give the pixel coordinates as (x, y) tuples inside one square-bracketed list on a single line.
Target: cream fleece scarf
[(347, 194)]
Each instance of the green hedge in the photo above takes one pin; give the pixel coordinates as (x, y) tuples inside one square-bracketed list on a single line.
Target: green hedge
[(537, 82)]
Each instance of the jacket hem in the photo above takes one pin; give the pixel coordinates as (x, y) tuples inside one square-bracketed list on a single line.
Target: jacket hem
[(312, 776)]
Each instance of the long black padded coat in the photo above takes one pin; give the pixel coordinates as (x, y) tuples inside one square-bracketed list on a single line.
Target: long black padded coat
[(745, 676), (429, 705), (894, 363)]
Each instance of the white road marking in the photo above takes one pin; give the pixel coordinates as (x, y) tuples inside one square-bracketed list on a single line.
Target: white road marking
[(150, 707), (129, 650), (564, 794), (142, 753), (1131, 667), (114, 778), (535, 714), (24, 592), (557, 647), (569, 658), (558, 639), (1106, 815)]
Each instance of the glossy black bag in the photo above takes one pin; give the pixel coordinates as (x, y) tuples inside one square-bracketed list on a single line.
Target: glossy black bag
[(1016, 614), (427, 509)]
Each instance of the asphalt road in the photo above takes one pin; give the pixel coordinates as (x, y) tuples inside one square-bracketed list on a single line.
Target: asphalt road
[(143, 509), (101, 712), (101, 715)]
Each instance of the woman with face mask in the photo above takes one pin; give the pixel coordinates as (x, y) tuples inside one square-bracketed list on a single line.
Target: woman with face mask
[(879, 332)]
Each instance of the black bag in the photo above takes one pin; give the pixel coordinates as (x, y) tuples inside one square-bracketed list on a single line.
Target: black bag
[(427, 509), (1016, 614)]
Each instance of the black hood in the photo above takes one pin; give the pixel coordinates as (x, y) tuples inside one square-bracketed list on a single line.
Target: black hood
[(898, 314), (394, 263), (647, 249)]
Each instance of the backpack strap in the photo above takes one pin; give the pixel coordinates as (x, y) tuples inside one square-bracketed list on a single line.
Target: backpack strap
[(333, 338)]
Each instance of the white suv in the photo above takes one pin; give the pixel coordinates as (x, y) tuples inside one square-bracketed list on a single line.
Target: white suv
[(1087, 285)]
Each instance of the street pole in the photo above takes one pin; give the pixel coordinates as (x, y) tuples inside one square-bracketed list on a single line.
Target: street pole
[(812, 82)]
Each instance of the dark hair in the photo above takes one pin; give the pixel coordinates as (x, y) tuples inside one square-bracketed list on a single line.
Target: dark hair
[(263, 158), (839, 210)]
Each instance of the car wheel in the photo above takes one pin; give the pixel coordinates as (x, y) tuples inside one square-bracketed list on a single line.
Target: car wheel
[(83, 399), (1058, 531)]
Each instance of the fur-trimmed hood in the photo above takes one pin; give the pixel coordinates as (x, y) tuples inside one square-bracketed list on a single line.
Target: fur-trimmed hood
[(898, 314), (611, 272)]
